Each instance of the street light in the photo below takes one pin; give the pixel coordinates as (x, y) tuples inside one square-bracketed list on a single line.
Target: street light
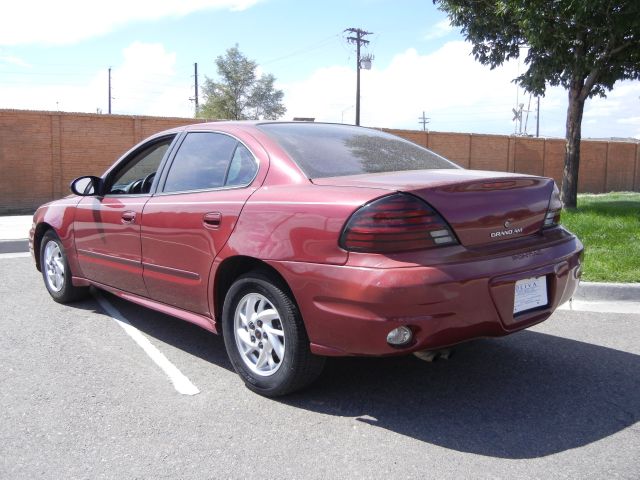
[(348, 108)]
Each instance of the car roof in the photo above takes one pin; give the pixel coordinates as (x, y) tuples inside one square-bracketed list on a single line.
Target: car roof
[(240, 123)]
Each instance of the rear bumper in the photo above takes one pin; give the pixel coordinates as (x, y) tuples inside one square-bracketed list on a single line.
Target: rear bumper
[(348, 309)]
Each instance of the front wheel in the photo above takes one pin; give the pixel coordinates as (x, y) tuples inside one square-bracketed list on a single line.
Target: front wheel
[(56, 272), (265, 337)]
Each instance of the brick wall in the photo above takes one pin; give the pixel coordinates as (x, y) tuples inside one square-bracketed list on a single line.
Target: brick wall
[(41, 152), (605, 166)]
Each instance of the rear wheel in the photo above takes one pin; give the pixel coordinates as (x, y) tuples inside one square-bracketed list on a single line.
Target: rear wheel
[(265, 337), (56, 272)]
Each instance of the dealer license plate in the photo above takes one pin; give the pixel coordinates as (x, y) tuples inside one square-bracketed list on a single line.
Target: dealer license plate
[(530, 293)]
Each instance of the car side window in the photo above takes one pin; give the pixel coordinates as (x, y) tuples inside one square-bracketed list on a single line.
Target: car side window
[(242, 169), (137, 175), (202, 162)]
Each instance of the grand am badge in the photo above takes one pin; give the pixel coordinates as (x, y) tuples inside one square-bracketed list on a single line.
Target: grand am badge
[(506, 233)]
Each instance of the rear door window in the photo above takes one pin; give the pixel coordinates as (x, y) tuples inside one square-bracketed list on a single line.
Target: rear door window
[(201, 163), (243, 167)]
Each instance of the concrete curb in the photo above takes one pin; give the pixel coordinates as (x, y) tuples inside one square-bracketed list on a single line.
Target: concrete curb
[(596, 291)]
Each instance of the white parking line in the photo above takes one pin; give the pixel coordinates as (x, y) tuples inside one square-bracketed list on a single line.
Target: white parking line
[(181, 383), (14, 255)]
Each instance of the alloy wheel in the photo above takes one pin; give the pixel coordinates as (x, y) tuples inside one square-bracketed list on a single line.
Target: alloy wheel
[(259, 334), (54, 266)]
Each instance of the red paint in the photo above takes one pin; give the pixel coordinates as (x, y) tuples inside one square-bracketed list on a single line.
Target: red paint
[(166, 251), (107, 241), (180, 246)]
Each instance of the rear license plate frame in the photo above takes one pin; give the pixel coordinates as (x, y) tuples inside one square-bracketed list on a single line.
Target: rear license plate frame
[(530, 294)]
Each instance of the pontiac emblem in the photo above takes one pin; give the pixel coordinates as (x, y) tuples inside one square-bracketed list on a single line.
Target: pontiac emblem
[(508, 230)]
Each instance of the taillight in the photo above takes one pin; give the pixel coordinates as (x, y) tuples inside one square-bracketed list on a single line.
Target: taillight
[(396, 223), (552, 217)]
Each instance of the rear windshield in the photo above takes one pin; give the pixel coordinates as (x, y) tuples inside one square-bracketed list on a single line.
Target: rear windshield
[(327, 150)]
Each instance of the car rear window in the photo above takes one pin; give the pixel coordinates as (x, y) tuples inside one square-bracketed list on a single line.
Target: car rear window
[(329, 150)]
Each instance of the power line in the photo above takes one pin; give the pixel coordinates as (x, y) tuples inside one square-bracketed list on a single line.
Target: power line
[(310, 48)]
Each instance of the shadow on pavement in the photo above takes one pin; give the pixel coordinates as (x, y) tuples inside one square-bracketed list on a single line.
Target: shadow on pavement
[(523, 396), (170, 330)]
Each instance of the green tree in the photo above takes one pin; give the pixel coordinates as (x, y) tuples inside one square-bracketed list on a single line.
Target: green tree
[(240, 94), (583, 45), (266, 100)]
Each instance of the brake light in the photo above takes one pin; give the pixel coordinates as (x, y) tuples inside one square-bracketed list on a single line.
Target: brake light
[(396, 223), (552, 217)]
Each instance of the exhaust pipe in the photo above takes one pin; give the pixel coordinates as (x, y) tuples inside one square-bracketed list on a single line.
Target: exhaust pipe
[(433, 355)]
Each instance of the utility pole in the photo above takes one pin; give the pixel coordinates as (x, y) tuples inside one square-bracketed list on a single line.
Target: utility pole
[(195, 96), (424, 120), (109, 90), (538, 119), (359, 41)]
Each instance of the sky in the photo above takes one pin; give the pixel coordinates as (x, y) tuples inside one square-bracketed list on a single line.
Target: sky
[(56, 56)]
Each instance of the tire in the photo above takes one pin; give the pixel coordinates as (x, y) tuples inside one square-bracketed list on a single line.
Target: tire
[(265, 337), (55, 270)]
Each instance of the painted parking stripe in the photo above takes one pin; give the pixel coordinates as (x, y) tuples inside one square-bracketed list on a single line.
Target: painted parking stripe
[(14, 255), (181, 383)]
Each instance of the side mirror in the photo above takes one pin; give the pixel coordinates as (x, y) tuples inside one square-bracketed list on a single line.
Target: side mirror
[(87, 186)]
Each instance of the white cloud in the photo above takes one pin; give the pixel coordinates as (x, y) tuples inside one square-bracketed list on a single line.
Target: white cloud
[(448, 84), (323, 95), (69, 21), (631, 120), (457, 93), (633, 123), (145, 83), (616, 115), (439, 30), (13, 60)]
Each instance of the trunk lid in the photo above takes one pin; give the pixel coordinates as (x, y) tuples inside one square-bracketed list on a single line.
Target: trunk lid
[(481, 207)]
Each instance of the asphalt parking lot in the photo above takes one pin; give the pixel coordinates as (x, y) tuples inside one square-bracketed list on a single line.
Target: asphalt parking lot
[(81, 399)]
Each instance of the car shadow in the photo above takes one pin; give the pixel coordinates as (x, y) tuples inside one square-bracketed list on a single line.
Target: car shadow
[(167, 329), (524, 396), (527, 395)]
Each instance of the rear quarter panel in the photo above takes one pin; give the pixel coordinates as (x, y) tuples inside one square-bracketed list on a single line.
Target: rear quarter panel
[(300, 223)]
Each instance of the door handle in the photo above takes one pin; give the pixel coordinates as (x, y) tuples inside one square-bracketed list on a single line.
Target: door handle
[(212, 219), (129, 217)]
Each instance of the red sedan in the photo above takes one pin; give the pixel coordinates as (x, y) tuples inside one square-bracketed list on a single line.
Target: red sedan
[(299, 241)]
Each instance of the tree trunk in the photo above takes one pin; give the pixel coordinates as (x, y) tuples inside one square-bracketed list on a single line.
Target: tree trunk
[(569, 192)]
